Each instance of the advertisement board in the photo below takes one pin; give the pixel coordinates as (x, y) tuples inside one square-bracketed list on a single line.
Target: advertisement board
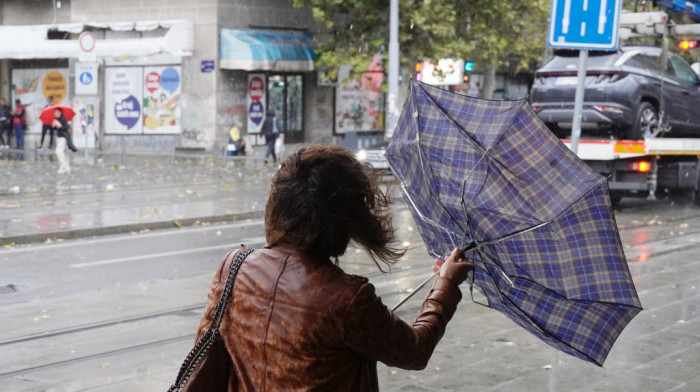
[(37, 88), (255, 102), (445, 72), (162, 90), (359, 104), (86, 122), (123, 99)]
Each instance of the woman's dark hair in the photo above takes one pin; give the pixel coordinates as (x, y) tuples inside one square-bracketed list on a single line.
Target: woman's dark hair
[(322, 198), (60, 111)]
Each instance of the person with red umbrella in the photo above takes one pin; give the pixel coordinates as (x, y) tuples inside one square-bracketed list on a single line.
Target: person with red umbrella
[(48, 115), (60, 124)]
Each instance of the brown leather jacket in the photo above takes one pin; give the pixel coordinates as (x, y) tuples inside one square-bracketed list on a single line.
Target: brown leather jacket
[(297, 323)]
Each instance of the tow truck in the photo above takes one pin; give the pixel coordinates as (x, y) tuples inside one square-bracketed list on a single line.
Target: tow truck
[(643, 168)]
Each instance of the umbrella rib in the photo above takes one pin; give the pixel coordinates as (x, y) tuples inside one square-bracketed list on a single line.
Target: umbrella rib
[(420, 214)]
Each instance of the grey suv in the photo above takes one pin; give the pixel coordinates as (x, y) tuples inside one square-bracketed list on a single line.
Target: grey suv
[(623, 96)]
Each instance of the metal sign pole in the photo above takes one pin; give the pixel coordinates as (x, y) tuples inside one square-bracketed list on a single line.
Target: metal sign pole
[(392, 104), (578, 100)]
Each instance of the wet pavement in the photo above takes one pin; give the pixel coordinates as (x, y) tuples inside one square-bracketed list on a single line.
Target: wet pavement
[(118, 312), (115, 194)]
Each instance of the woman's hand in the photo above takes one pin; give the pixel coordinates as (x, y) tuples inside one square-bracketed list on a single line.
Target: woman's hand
[(453, 267), (56, 123)]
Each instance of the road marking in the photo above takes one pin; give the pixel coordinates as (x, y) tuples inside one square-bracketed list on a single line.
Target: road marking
[(152, 255)]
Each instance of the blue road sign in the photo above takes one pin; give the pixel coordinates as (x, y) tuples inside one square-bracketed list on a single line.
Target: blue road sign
[(207, 65), (584, 24)]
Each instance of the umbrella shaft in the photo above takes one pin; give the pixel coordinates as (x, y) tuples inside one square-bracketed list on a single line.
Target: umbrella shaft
[(417, 289)]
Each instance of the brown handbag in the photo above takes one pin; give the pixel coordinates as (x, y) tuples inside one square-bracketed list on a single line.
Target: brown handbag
[(208, 366)]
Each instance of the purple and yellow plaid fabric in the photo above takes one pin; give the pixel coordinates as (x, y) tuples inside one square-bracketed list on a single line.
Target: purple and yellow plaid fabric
[(549, 254)]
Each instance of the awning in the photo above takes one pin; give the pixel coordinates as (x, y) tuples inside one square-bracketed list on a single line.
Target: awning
[(31, 41), (255, 50)]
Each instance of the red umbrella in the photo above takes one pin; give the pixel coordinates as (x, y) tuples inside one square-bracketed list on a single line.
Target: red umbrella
[(47, 115)]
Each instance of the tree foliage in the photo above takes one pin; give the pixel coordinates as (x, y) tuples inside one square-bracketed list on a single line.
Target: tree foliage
[(498, 33)]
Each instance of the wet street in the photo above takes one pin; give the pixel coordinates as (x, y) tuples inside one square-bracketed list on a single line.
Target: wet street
[(119, 312)]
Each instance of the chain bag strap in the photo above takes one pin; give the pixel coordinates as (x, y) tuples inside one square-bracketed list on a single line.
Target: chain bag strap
[(204, 345)]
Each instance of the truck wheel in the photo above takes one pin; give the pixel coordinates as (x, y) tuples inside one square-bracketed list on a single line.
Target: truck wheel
[(646, 123)]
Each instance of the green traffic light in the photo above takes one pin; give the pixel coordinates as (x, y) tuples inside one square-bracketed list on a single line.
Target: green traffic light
[(468, 66)]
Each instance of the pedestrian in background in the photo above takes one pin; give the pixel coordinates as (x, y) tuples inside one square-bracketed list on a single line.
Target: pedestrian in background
[(60, 124), (5, 123), (47, 128), (20, 123), (270, 131), (295, 320)]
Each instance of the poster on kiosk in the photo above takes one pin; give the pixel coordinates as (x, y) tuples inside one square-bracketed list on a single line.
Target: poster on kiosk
[(255, 102), (123, 99), (162, 90)]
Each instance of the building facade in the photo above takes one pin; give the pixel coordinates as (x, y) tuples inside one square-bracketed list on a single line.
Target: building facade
[(165, 74)]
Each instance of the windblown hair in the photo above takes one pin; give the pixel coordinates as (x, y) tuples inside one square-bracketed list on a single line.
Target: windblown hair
[(322, 198)]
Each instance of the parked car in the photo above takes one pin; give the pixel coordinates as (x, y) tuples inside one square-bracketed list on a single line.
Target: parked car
[(623, 94)]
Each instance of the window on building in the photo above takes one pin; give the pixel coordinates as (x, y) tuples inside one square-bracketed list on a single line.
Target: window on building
[(286, 98)]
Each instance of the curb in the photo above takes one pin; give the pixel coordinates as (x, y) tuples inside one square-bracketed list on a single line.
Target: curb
[(120, 229)]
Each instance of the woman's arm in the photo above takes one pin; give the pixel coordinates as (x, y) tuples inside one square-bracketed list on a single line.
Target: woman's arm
[(374, 332)]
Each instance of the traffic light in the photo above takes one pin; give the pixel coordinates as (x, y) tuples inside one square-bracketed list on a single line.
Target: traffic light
[(419, 67), (688, 44), (468, 66)]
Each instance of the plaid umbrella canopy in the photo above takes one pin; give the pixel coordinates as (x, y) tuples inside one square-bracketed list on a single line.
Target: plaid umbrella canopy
[(490, 177)]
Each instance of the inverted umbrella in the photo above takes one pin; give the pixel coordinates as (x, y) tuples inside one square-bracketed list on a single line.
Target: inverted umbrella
[(48, 114), (489, 176)]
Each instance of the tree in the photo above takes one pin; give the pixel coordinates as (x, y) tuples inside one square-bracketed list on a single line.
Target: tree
[(487, 32)]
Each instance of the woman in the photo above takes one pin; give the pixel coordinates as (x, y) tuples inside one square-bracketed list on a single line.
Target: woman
[(60, 124), (295, 320)]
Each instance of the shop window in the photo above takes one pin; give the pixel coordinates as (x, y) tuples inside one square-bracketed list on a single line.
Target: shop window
[(285, 97)]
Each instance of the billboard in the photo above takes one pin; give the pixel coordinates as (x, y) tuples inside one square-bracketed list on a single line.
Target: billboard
[(255, 102), (123, 98), (33, 87), (162, 90), (359, 104)]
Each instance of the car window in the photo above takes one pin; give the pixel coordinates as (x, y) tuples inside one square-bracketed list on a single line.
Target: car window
[(683, 71), (649, 61)]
